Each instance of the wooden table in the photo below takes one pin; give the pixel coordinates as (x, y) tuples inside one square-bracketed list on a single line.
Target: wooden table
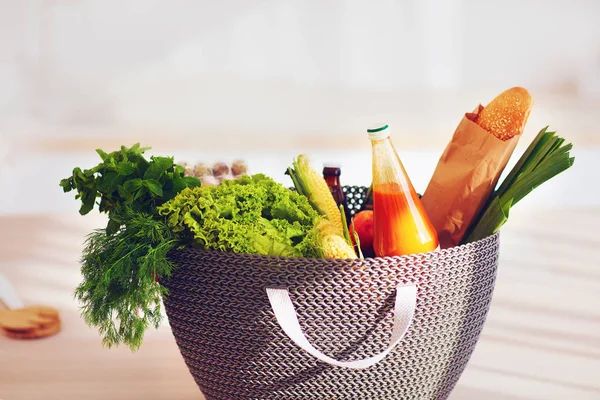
[(541, 340)]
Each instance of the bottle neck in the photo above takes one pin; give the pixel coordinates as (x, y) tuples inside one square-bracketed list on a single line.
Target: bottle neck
[(383, 140), (387, 167), (332, 180), (332, 176)]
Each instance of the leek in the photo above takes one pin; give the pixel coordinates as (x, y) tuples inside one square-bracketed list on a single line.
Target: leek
[(546, 157)]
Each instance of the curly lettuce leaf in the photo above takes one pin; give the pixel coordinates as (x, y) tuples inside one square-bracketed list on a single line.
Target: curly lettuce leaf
[(251, 215)]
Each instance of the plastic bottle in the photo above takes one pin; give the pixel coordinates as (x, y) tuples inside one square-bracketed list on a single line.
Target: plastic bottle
[(401, 225)]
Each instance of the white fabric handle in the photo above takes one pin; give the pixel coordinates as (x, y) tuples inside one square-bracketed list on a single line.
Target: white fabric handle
[(404, 310)]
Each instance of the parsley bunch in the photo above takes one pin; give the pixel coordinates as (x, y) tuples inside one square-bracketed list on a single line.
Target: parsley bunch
[(125, 178)]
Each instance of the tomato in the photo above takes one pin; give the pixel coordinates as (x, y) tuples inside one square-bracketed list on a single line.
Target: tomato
[(362, 224)]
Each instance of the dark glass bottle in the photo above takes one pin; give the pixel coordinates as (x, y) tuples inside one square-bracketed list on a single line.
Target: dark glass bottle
[(332, 177)]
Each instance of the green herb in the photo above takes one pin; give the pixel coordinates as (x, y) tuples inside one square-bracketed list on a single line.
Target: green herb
[(126, 178), (546, 157), (344, 223), (251, 215), (119, 293), (355, 236)]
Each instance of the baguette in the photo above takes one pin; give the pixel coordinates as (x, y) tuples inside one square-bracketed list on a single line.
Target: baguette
[(506, 115), (472, 163)]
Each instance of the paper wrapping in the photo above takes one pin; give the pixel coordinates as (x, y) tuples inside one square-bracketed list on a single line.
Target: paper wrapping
[(464, 178)]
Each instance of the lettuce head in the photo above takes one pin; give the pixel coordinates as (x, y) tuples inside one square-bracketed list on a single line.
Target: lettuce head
[(252, 215)]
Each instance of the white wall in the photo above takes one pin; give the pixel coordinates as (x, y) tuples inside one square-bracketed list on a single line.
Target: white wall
[(85, 67), (266, 79)]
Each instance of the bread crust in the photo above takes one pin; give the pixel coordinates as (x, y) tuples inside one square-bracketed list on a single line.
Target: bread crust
[(506, 115)]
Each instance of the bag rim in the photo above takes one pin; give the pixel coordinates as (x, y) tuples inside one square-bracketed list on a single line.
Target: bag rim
[(420, 257)]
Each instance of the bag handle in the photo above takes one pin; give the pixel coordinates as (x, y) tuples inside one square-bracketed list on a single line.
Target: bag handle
[(404, 310)]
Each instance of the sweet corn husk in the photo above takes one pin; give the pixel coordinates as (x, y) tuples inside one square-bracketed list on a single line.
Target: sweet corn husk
[(464, 178)]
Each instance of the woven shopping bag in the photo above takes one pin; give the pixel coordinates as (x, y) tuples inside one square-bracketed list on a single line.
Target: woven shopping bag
[(258, 327)]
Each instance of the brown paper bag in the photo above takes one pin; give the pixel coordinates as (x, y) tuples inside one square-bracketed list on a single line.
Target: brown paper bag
[(464, 178)]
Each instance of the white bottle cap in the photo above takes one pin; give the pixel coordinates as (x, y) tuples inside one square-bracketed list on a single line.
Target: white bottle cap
[(378, 132)]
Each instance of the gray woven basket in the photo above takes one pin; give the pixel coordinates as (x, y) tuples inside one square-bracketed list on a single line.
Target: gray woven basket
[(235, 348)]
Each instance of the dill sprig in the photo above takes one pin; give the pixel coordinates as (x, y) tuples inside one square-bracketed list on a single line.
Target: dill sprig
[(119, 292)]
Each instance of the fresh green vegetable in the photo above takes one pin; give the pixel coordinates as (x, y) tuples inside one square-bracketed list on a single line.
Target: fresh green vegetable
[(126, 178), (334, 236), (331, 244), (357, 241), (546, 157), (154, 209), (119, 294), (344, 224), (252, 215), (310, 183)]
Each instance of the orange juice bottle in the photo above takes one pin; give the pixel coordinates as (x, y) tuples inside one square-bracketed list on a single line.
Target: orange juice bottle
[(400, 224)]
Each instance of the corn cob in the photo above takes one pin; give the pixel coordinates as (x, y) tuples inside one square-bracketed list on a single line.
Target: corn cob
[(311, 184), (332, 244)]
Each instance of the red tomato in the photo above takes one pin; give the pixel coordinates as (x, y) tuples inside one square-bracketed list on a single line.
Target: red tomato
[(362, 224)]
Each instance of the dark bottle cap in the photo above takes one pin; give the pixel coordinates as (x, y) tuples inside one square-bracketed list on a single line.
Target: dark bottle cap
[(331, 171)]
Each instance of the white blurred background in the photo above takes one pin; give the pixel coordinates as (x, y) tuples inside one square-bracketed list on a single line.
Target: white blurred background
[(265, 80)]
